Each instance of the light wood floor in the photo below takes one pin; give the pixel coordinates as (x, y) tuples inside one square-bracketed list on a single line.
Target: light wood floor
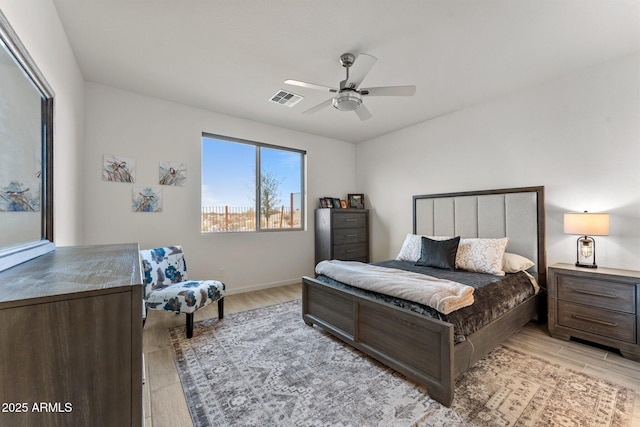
[(165, 403)]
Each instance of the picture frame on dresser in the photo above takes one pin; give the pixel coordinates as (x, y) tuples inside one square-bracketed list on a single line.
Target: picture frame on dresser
[(356, 201), (329, 202)]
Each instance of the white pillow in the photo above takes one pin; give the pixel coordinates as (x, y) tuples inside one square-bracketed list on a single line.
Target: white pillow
[(513, 263), (412, 247), (482, 255)]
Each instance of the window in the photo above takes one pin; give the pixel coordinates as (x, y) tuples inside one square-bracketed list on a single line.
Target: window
[(249, 186)]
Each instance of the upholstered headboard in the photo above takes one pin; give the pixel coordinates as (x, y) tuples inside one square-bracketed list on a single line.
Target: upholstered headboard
[(517, 213)]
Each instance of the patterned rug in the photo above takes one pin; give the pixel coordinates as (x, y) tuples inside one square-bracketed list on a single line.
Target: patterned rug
[(265, 367)]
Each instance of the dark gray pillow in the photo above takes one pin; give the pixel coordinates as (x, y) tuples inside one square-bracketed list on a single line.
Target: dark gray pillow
[(439, 253)]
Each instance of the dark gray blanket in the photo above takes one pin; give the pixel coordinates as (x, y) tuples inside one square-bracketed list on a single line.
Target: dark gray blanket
[(494, 295)]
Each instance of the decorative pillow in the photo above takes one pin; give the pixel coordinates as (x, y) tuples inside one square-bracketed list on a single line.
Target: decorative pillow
[(513, 263), (439, 253), (412, 246), (482, 255)]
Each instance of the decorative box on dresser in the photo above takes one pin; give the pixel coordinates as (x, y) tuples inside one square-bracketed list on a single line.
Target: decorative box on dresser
[(342, 234), (71, 339), (597, 305)]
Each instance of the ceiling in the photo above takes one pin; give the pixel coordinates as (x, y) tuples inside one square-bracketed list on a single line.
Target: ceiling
[(231, 56)]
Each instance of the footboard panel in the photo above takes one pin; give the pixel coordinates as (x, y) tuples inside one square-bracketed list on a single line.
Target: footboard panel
[(330, 306), (416, 346)]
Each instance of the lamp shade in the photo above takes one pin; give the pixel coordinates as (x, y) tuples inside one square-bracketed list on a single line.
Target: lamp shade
[(586, 224)]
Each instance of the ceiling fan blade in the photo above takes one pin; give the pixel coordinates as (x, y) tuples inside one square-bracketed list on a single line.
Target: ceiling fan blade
[(310, 86), (318, 107), (363, 112), (389, 91), (359, 70)]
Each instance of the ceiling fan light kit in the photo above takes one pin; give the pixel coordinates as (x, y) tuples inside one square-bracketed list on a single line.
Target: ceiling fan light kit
[(349, 96), (347, 101)]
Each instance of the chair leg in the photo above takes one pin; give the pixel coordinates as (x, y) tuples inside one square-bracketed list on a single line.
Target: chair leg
[(221, 308), (189, 325)]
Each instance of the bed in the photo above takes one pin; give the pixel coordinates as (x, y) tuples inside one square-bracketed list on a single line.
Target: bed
[(421, 347)]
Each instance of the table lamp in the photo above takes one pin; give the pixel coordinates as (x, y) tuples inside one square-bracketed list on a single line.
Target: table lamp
[(586, 224)]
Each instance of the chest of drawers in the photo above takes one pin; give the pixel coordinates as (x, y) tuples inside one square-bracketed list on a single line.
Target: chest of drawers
[(342, 234), (600, 306), (71, 337)]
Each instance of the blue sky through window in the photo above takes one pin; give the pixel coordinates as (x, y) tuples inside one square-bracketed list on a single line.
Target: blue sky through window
[(228, 173)]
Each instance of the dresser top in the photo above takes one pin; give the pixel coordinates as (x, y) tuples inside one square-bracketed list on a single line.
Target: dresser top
[(599, 270), (70, 270)]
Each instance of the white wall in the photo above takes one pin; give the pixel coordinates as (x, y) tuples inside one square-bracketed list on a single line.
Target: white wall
[(577, 135), (153, 130), (38, 26)]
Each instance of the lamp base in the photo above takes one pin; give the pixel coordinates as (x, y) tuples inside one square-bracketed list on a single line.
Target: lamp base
[(586, 265)]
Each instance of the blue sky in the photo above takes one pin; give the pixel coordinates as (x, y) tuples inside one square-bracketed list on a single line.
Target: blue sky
[(228, 172)]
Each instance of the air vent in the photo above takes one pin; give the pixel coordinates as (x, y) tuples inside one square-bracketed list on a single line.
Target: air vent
[(285, 98)]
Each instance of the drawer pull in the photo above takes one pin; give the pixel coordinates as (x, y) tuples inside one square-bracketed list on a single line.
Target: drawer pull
[(350, 235), (350, 220), (595, 294), (350, 251), (588, 319)]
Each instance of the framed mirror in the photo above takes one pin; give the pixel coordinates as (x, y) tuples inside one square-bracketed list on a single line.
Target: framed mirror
[(26, 154)]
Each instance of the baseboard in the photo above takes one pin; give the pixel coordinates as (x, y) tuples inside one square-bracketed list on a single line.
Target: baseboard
[(262, 286)]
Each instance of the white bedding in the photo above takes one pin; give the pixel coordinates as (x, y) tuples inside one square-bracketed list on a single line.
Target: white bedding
[(442, 295)]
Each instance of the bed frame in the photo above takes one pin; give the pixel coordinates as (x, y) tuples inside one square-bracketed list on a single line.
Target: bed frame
[(419, 347)]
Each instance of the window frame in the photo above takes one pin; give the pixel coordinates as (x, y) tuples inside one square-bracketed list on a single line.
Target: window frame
[(258, 202)]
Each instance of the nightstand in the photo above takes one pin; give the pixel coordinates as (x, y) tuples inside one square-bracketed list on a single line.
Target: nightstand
[(600, 306)]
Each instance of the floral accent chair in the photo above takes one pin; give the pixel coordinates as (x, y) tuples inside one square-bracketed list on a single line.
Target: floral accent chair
[(167, 288)]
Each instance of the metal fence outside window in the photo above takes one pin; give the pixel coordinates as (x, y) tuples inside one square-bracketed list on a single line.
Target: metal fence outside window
[(220, 219)]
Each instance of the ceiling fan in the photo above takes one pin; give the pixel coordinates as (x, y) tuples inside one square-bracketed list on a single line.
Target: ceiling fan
[(349, 95)]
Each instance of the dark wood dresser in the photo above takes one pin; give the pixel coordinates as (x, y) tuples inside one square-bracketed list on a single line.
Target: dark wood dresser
[(342, 234), (598, 305), (71, 339)]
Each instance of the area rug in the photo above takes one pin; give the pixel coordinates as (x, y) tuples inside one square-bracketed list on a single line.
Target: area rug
[(265, 367)]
